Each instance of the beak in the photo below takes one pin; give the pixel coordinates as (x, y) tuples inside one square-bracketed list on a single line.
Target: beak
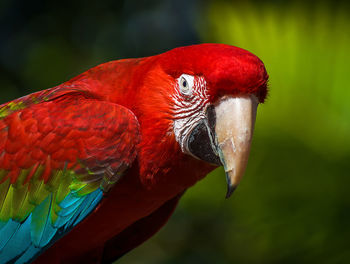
[(225, 136), (234, 125)]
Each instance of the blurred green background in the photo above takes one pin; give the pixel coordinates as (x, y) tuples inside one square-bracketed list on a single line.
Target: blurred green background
[(293, 205)]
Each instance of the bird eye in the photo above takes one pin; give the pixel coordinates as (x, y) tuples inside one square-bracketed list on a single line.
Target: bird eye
[(186, 84)]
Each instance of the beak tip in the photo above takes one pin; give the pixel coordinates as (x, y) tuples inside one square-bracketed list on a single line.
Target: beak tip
[(230, 190), (232, 183)]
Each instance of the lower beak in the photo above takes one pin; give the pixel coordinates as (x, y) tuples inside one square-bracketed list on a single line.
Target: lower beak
[(235, 119)]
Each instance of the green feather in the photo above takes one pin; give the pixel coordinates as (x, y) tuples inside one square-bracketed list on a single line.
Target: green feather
[(5, 212), (40, 220), (4, 187)]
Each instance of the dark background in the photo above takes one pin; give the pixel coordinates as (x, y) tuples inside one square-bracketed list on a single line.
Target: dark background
[(294, 201), (43, 43)]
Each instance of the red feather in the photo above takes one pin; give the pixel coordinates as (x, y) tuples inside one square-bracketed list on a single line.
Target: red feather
[(160, 172)]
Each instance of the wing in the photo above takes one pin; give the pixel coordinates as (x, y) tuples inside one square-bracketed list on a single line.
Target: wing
[(58, 155)]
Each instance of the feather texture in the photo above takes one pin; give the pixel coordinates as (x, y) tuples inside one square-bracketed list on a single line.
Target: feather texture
[(53, 163)]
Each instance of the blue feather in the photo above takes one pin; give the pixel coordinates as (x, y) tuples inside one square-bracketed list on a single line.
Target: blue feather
[(86, 207), (66, 214), (7, 232), (65, 211), (69, 200), (28, 255), (89, 204), (18, 243), (62, 220), (22, 242)]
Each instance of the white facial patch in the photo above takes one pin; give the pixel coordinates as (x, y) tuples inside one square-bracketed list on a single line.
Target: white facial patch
[(190, 100)]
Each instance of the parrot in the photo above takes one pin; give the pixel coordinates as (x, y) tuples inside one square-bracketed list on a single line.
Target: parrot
[(93, 167)]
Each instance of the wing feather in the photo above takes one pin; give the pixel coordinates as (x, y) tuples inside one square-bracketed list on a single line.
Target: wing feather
[(59, 154)]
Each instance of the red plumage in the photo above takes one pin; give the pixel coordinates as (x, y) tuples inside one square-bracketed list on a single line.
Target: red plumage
[(97, 104), (227, 69)]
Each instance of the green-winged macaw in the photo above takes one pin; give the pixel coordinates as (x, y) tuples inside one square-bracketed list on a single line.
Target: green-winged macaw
[(93, 167)]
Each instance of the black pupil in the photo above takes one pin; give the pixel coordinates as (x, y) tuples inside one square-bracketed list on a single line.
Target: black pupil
[(184, 83)]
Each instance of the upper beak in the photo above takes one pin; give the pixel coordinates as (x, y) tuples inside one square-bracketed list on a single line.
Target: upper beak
[(225, 136), (235, 119)]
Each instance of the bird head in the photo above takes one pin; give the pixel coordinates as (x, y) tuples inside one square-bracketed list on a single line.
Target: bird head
[(217, 92), (199, 100)]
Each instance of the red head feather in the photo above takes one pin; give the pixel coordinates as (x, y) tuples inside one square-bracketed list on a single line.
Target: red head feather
[(227, 69)]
